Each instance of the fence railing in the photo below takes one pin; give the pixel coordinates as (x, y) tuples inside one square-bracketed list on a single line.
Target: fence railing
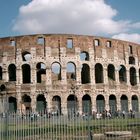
[(73, 126)]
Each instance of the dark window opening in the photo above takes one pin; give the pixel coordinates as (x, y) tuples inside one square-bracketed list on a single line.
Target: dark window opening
[(86, 104), (98, 73), (124, 103), (112, 104), (122, 74), (56, 105), (41, 72), (85, 74), (133, 78), (26, 73), (100, 103), (41, 103), (130, 49), (12, 104), (111, 72), (12, 72), (131, 60), (0, 73), (135, 103)]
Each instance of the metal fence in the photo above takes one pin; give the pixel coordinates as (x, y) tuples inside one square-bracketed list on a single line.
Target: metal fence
[(74, 126)]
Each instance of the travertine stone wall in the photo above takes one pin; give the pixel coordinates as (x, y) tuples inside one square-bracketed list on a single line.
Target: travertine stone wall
[(54, 49)]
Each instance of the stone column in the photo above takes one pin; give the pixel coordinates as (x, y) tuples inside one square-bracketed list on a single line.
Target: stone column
[(78, 74), (118, 103), (137, 77), (48, 76), (92, 75), (64, 75), (117, 76), (128, 77), (105, 74)]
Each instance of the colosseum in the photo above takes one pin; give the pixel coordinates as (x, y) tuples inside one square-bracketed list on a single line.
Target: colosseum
[(58, 72)]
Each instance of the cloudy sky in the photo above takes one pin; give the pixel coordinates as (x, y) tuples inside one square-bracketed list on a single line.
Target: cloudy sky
[(110, 18)]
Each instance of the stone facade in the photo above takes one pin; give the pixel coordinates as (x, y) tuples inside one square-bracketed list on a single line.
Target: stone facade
[(55, 72)]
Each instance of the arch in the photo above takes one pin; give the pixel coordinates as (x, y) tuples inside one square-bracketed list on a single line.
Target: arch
[(112, 104), (12, 72), (0, 73), (111, 72), (98, 73), (56, 71), (132, 60), (72, 104), (26, 102), (71, 71), (122, 74), (12, 104), (84, 56), (41, 72), (41, 103), (85, 74), (124, 103), (26, 56), (86, 104), (56, 103), (133, 79), (26, 73), (100, 103), (135, 103)]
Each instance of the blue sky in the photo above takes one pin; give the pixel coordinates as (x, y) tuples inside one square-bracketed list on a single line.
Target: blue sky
[(112, 18)]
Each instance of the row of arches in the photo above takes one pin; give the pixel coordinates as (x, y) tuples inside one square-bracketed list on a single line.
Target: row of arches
[(71, 73), (73, 103)]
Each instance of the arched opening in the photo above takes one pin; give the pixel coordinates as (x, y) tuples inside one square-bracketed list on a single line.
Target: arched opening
[(122, 74), (56, 103), (72, 105), (84, 56), (133, 79), (135, 103), (12, 104), (56, 71), (132, 60), (26, 73), (111, 72), (71, 71), (112, 104), (12, 72), (124, 103), (85, 74), (41, 103), (41, 72), (26, 103), (86, 104), (0, 73), (98, 73), (100, 103), (26, 56)]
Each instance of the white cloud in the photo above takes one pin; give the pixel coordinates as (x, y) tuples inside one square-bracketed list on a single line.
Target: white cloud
[(128, 37), (93, 17)]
